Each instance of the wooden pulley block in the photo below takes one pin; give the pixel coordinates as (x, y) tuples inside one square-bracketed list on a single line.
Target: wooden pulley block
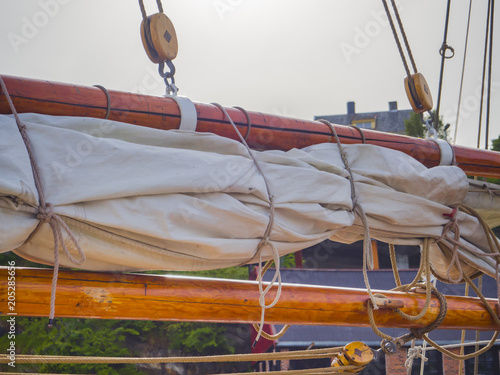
[(354, 354), (159, 38), (418, 93)]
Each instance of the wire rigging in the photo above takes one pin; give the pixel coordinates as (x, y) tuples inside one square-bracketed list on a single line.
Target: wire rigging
[(488, 15), (396, 37), (442, 52), (463, 73), (490, 61)]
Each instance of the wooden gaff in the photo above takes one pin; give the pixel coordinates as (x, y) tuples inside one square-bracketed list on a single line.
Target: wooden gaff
[(145, 297), (268, 131)]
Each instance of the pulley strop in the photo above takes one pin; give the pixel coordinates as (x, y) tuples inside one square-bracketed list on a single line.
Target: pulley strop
[(416, 87), (158, 35)]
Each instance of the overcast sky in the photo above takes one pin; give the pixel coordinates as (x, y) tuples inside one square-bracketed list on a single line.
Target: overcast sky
[(288, 57)]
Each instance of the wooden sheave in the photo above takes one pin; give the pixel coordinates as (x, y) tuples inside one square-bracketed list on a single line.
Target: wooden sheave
[(146, 297), (267, 131)]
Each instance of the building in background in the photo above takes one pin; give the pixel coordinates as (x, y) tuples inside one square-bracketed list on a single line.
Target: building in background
[(391, 121)]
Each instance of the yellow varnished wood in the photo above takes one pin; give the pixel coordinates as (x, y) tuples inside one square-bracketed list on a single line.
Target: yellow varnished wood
[(354, 354), (146, 297), (418, 93), (159, 38)]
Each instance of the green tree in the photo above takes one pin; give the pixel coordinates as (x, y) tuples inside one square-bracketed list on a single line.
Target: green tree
[(415, 128), (495, 144)]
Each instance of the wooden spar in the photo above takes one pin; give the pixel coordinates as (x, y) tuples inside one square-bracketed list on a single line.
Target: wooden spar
[(83, 294), (268, 131)]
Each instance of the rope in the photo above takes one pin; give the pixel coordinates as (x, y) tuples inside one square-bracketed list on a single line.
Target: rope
[(414, 333), (265, 238), (463, 73), (143, 9), (249, 122), (425, 265), (403, 33), (491, 238), (255, 357), (430, 289), (462, 336), (462, 357), (396, 37), (108, 100), (395, 271), (314, 371), (476, 348), (46, 212), (357, 209), (257, 327), (413, 353), (361, 133)]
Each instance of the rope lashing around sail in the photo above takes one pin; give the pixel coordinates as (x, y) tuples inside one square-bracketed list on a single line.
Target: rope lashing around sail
[(361, 133), (265, 241), (46, 212), (358, 209), (108, 100), (249, 122)]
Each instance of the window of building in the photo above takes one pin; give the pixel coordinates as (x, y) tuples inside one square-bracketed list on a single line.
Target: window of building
[(487, 362), (433, 366), (364, 124)]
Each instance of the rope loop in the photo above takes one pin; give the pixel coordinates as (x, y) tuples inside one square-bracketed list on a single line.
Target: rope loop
[(108, 100), (445, 47), (249, 122)]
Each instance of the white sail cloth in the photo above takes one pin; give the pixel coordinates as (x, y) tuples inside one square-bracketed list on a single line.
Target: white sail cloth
[(138, 198)]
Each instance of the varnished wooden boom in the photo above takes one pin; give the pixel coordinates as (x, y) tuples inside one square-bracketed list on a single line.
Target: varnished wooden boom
[(268, 131), (146, 297)]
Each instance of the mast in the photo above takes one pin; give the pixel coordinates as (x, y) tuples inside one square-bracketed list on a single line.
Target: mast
[(98, 295), (267, 131)]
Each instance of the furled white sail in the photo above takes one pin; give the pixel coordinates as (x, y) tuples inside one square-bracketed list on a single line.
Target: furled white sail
[(138, 198)]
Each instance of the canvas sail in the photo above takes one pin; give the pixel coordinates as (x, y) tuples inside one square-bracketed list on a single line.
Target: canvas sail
[(145, 199)]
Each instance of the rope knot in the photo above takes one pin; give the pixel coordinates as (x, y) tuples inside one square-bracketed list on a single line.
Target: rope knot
[(45, 213), (418, 333)]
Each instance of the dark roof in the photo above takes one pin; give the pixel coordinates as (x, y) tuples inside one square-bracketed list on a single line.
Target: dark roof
[(385, 121), (322, 336)]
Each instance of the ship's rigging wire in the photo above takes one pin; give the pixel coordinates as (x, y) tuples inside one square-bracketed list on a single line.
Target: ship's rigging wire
[(396, 37), (466, 44), (490, 61), (442, 52), (483, 79)]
